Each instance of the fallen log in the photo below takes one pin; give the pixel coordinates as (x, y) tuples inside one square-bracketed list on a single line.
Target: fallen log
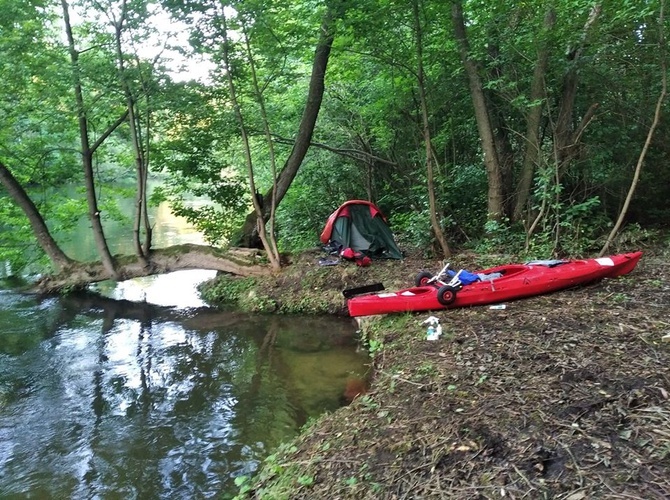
[(78, 275)]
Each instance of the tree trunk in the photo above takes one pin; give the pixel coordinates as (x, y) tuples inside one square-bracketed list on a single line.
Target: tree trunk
[(505, 154), (566, 137), (247, 236), (87, 152), (430, 158), (135, 138), (258, 209), (501, 137), (493, 172), (267, 236), (58, 258), (237, 261), (533, 120)]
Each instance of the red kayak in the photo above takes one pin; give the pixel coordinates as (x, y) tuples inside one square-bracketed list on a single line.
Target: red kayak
[(498, 284)]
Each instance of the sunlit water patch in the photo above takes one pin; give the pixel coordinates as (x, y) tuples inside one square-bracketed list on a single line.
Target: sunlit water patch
[(177, 289)]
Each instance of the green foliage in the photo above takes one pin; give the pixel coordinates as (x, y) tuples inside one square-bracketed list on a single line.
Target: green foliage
[(306, 480), (18, 250), (501, 237), (256, 301), (413, 229), (372, 331), (375, 346), (635, 236), (216, 224), (367, 143), (582, 225), (311, 304), (197, 164), (322, 184), (368, 337), (581, 228), (242, 293), (286, 476), (244, 484), (465, 199)]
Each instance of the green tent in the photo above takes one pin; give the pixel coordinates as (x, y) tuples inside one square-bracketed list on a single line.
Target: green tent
[(361, 226)]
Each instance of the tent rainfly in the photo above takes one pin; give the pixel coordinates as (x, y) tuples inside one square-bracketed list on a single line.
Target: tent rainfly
[(361, 226)]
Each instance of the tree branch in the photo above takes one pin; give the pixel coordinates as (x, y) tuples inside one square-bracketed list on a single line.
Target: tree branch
[(109, 131), (355, 154)]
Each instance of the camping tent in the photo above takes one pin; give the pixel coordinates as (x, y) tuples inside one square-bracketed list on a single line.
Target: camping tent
[(361, 226)]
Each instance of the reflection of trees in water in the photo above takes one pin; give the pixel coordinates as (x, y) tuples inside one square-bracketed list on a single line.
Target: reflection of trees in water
[(272, 410), (177, 402), (152, 411), (25, 321)]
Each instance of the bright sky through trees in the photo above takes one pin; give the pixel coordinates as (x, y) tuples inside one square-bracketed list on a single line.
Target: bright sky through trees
[(169, 42)]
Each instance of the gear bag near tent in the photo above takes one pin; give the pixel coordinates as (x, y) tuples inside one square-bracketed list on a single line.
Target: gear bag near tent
[(361, 226)]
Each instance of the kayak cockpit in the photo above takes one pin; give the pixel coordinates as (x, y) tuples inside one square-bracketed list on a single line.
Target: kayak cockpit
[(502, 272)]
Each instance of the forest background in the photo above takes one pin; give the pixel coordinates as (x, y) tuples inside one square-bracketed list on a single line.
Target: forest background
[(537, 127)]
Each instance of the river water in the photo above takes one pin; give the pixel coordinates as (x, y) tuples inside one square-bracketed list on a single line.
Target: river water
[(146, 393)]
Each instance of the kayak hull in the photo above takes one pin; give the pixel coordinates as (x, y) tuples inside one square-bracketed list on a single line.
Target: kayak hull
[(517, 281)]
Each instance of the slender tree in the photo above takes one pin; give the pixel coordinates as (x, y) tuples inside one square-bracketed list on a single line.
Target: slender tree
[(137, 90), (58, 258), (430, 157), (88, 148), (531, 140), (139, 152), (566, 137), (267, 236), (650, 134), (271, 249), (247, 236)]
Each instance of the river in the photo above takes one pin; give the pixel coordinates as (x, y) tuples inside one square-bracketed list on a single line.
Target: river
[(147, 393)]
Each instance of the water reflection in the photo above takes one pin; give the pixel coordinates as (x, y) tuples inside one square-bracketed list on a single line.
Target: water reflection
[(177, 289), (129, 400), (113, 396)]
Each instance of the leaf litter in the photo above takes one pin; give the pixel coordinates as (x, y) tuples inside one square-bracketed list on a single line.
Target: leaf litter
[(562, 396)]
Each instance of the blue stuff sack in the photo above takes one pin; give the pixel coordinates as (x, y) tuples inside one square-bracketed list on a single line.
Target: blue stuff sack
[(467, 277)]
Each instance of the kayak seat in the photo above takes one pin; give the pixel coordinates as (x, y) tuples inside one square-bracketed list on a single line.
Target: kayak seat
[(489, 276)]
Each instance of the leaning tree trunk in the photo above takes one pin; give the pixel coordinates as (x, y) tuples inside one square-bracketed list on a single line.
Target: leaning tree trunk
[(271, 252), (566, 137), (58, 258), (135, 138), (247, 236), (650, 135), (533, 120), (430, 158), (266, 233)]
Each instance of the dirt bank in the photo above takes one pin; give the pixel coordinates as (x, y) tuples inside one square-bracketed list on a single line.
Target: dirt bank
[(563, 396)]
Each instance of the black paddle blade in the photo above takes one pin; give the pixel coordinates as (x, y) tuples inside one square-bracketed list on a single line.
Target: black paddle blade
[(350, 292)]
